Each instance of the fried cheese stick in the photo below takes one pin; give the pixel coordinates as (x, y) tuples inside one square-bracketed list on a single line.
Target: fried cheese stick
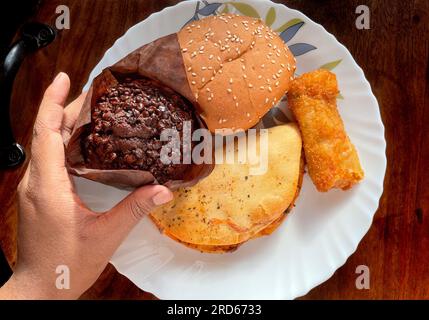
[(331, 157)]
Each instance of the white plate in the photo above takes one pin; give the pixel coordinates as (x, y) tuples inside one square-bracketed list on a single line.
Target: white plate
[(321, 232)]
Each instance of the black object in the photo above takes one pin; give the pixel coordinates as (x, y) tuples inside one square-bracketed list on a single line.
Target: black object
[(5, 270), (33, 36)]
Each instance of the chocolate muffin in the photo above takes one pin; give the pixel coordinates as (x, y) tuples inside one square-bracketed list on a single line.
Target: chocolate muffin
[(126, 125)]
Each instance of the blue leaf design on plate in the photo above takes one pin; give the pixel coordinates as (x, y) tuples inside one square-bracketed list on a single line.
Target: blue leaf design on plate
[(268, 122), (279, 115), (194, 18), (209, 9), (290, 32), (298, 49)]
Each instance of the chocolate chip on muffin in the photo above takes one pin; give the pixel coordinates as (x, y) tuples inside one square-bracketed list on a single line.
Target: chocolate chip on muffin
[(126, 125)]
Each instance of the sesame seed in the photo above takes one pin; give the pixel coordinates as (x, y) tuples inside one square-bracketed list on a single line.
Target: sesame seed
[(189, 68), (288, 69), (266, 100), (229, 90), (184, 49), (203, 68), (220, 121), (203, 79), (193, 74), (210, 68), (269, 89), (250, 85), (248, 114), (261, 87), (262, 66), (282, 65), (242, 60), (278, 54), (273, 61), (218, 58), (230, 80), (235, 25), (243, 67), (212, 78), (209, 98), (234, 98), (259, 77), (277, 83), (193, 83), (190, 41), (236, 104), (244, 76), (211, 57), (291, 78), (196, 96)]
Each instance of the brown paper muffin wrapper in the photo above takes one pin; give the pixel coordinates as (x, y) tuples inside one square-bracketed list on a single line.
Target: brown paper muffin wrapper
[(160, 60)]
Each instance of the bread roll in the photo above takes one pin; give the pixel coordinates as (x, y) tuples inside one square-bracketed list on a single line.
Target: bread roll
[(237, 68)]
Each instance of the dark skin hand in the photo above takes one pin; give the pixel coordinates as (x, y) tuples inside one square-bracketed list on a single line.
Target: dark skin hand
[(55, 226)]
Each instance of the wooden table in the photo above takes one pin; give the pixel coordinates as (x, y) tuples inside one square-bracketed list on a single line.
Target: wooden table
[(394, 55)]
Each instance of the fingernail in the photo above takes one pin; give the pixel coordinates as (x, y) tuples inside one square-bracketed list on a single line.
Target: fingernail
[(59, 76), (162, 197)]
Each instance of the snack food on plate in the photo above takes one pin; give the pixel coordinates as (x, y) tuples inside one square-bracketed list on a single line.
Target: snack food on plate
[(237, 68), (126, 124), (331, 157), (230, 206)]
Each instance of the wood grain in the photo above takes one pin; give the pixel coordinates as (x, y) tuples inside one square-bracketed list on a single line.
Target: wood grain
[(394, 55)]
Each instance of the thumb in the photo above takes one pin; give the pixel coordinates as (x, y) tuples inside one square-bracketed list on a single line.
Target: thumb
[(127, 213)]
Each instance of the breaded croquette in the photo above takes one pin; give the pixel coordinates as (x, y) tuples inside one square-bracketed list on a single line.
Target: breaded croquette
[(331, 157)]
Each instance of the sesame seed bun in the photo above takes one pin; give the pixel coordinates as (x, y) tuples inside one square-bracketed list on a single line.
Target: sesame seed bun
[(237, 68)]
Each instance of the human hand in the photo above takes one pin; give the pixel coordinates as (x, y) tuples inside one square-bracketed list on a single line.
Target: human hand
[(55, 227)]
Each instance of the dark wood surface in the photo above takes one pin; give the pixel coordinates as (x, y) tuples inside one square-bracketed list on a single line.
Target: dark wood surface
[(394, 56)]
